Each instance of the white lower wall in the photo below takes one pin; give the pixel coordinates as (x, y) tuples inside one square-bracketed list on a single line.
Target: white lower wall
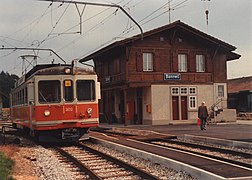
[(159, 97)]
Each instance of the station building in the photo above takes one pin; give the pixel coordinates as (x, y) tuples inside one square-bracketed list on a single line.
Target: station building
[(164, 77), (240, 94)]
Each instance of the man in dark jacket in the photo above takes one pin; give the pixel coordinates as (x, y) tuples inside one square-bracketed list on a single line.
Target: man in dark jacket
[(202, 114)]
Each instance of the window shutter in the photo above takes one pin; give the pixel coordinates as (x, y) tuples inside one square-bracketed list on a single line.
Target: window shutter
[(139, 61), (156, 62), (209, 64), (174, 61), (192, 62)]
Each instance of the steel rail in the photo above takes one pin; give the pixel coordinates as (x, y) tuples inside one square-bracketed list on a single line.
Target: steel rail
[(125, 165), (206, 147), (78, 163), (247, 165)]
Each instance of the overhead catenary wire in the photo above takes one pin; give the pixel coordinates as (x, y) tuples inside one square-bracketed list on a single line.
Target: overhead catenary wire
[(53, 34), (54, 25), (133, 26), (34, 23), (102, 4)]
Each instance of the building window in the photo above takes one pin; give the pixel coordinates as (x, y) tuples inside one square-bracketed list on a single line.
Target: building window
[(175, 91), (183, 90), (147, 62), (220, 90), (192, 102), (200, 63), (182, 62), (192, 90)]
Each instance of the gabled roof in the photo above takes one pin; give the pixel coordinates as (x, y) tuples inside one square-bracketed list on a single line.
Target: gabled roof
[(176, 24), (239, 84)]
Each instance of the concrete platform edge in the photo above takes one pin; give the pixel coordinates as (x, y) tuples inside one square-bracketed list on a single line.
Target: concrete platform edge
[(166, 162)]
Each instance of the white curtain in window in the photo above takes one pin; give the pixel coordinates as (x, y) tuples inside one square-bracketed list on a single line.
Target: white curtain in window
[(147, 61), (200, 63), (182, 63), (221, 90)]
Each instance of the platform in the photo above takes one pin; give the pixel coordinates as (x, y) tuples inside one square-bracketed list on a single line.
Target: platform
[(239, 131)]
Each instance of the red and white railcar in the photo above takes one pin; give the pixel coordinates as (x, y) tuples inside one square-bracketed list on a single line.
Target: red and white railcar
[(56, 102)]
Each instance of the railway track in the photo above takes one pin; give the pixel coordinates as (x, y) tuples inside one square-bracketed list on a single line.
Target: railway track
[(99, 166), (223, 154), (196, 165)]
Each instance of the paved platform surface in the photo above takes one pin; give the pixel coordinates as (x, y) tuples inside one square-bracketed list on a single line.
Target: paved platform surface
[(239, 131)]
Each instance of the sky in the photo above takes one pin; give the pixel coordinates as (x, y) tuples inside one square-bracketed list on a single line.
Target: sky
[(56, 26)]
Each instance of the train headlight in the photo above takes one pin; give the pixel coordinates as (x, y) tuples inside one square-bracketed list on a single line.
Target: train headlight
[(89, 111), (47, 113), (67, 70)]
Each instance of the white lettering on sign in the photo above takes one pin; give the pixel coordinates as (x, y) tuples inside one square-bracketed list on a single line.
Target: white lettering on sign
[(69, 109), (169, 76)]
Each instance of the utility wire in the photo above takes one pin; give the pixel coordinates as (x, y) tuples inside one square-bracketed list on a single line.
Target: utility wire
[(94, 27), (35, 21), (133, 27), (54, 25)]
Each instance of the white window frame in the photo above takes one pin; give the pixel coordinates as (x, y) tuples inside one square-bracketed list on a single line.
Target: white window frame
[(183, 90), (221, 90), (200, 63), (147, 61), (182, 62), (194, 89), (173, 89), (192, 102)]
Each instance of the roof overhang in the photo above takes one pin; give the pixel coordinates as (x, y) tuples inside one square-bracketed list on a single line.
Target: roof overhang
[(177, 24), (233, 56)]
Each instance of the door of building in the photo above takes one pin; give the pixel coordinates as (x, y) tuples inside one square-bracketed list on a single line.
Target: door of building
[(130, 110), (175, 107), (184, 108)]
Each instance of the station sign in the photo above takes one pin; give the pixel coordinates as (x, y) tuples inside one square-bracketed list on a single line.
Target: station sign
[(172, 76)]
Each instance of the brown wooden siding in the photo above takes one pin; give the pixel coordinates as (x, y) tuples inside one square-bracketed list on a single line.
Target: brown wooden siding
[(165, 60)]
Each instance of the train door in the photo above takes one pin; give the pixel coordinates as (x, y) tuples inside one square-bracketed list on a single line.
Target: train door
[(30, 99)]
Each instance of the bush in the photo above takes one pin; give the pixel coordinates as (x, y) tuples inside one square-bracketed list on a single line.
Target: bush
[(5, 167)]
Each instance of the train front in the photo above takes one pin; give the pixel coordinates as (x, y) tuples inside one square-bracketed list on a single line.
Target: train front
[(66, 105)]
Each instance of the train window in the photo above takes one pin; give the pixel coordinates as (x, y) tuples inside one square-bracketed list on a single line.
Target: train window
[(68, 90), (22, 96), (85, 90), (26, 98), (49, 91)]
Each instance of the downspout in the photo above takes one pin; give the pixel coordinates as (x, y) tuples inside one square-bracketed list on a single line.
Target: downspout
[(214, 89)]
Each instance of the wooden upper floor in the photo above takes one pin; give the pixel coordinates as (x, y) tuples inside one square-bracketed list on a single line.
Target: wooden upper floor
[(173, 54)]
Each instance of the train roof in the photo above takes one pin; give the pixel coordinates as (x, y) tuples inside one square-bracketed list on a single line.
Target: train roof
[(53, 69), (57, 69)]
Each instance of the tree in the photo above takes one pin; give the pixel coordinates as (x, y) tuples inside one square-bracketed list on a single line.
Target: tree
[(7, 82)]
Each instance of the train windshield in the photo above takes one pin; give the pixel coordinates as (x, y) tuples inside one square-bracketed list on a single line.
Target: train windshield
[(49, 91), (85, 90)]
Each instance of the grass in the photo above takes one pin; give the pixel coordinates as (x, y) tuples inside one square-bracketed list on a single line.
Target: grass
[(5, 167)]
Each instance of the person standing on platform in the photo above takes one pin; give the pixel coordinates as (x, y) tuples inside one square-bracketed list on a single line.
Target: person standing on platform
[(202, 114)]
